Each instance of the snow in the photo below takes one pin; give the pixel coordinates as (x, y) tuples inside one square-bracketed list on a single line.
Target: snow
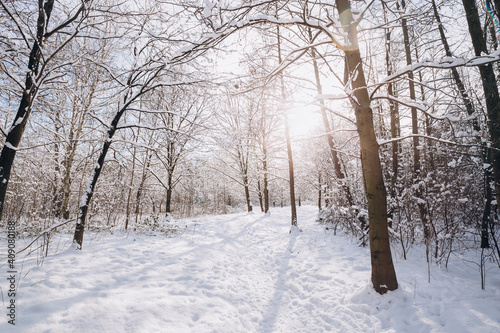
[(446, 63), (10, 146), (207, 10), (244, 273), (19, 121)]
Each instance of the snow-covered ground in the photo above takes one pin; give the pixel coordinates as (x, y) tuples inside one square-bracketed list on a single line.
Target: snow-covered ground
[(244, 273)]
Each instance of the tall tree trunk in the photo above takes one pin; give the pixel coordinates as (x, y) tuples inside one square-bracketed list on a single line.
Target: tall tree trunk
[(89, 192), (490, 90), (319, 191), (383, 273), (329, 136), (470, 111), (77, 122), (265, 172), (417, 168), (288, 143), (56, 194), (138, 197), (260, 195), (393, 110), (266, 185), (130, 185), (411, 84), (486, 219), (170, 189), (456, 76), (30, 91), (247, 193)]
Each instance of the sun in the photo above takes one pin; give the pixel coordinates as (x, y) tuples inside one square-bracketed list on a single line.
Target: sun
[(304, 120)]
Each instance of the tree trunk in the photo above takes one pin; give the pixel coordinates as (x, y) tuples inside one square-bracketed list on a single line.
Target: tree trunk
[(290, 173), (147, 162), (288, 144), (247, 193), (56, 194), (260, 195), (383, 273), (411, 84), (75, 132), (456, 76), (89, 192), (264, 162), (169, 194), (329, 137), (485, 221), (130, 185), (266, 186), (319, 191), (393, 110), (417, 168), (30, 91), (490, 90), (470, 111)]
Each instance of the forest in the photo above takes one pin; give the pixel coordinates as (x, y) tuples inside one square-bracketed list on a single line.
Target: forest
[(128, 116)]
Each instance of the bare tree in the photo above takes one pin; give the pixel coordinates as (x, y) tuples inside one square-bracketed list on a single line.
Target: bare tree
[(40, 67), (182, 117), (291, 176), (238, 140)]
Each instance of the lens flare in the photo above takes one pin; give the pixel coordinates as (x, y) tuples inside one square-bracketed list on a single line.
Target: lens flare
[(490, 12), (349, 25)]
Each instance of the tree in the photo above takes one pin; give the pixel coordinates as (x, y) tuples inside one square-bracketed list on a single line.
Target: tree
[(39, 71), (291, 176), (417, 165), (490, 89), (148, 79), (328, 130), (182, 118), (383, 273), (238, 139)]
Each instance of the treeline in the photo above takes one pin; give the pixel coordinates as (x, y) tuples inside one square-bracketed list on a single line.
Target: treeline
[(117, 112)]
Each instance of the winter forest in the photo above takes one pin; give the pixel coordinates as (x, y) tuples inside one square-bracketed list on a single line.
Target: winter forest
[(250, 166)]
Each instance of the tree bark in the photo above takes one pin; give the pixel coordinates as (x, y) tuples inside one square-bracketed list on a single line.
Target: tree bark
[(147, 162), (77, 122), (247, 193), (169, 193), (383, 273), (417, 168), (264, 164), (490, 90), (319, 191), (393, 110), (260, 195), (456, 76), (130, 185), (30, 91), (411, 84), (89, 192), (291, 176), (329, 137), (266, 185)]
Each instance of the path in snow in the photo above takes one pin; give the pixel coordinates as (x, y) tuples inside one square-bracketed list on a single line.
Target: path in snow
[(244, 273)]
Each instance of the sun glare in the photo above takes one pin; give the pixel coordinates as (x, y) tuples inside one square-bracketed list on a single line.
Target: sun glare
[(304, 120)]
